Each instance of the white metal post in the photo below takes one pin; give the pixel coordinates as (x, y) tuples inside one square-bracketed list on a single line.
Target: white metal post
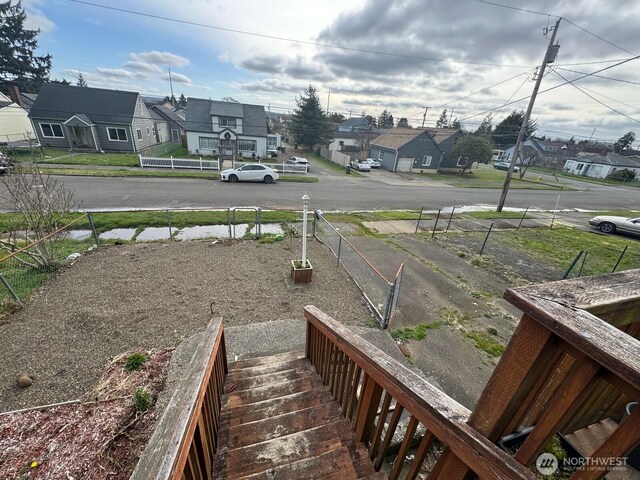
[(305, 200)]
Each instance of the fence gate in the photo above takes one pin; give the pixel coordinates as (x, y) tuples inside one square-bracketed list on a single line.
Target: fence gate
[(232, 221), (380, 293)]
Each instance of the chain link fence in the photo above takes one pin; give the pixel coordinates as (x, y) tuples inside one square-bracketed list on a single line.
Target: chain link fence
[(381, 294)]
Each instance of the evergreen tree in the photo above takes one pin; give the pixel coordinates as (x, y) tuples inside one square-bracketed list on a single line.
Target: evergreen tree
[(18, 63), (372, 121), (456, 124), (337, 118), (442, 121), (309, 125), (403, 123), (182, 100), (81, 81), (624, 142), (506, 132), (485, 127), (385, 120)]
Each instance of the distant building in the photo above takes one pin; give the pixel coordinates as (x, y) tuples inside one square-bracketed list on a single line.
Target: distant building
[(356, 124), (405, 149), (15, 127), (601, 166)]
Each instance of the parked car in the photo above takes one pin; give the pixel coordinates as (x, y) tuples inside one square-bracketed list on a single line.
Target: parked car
[(272, 152), (360, 165), (251, 172), (505, 166), (611, 224), (299, 161), (373, 163)]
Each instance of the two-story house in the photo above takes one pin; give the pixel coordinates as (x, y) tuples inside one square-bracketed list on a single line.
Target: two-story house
[(225, 128), (84, 118)]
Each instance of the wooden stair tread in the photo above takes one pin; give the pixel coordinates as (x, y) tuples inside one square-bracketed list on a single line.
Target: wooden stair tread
[(277, 366), (375, 476), (259, 457), (259, 394), (588, 439), (268, 408), (336, 464), (270, 360), (279, 426), (257, 381)]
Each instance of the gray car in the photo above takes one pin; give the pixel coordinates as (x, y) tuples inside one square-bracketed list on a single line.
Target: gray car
[(612, 224)]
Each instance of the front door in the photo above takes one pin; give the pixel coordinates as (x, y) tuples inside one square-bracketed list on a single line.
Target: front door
[(81, 137)]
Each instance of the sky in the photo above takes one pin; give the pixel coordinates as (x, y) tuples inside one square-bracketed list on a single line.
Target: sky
[(363, 56)]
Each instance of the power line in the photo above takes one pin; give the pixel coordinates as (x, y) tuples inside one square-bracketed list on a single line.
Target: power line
[(596, 100), (291, 40), (516, 8), (598, 37), (599, 76)]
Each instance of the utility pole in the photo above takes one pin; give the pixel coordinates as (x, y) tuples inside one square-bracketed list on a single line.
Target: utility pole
[(549, 57), (171, 86), (450, 117), (328, 98), (589, 141), (424, 117)]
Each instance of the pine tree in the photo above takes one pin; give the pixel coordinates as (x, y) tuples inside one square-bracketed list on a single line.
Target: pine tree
[(18, 63), (403, 123), (309, 125), (456, 124), (81, 81), (385, 120), (506, 132), (182, 100), (443, 121), (624, 142), (485, 127)]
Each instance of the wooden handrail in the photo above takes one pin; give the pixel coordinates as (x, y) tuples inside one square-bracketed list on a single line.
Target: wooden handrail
[(175, 451), (331, 347)]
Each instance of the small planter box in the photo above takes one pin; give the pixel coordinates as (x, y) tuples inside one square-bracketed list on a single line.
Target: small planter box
[(300, 273)]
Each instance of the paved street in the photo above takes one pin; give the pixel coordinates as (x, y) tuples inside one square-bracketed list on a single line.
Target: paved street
[(375, 190)]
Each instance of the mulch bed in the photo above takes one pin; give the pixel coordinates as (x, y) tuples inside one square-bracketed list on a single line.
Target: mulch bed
[(100, 437)]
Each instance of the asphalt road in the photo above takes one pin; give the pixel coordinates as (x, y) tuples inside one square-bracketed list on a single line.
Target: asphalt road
[(377, 190)]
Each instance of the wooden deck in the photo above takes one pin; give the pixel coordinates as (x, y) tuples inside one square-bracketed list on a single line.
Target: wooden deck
[(280, 421)]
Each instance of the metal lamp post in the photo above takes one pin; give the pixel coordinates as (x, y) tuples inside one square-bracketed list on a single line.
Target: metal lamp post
[(305, 200)]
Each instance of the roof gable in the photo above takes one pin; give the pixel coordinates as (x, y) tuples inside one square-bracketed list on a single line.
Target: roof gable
[(442, 134), (59, 102), (199, 112), (227, 109)]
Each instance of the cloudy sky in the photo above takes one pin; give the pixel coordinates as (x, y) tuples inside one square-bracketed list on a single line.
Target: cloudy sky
[(468, 56)]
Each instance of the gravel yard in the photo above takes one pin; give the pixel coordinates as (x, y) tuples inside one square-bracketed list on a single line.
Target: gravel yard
[(143, 296)]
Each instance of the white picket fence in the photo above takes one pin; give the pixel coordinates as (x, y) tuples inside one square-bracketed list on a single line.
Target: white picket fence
[(163, 162), (278, 167)]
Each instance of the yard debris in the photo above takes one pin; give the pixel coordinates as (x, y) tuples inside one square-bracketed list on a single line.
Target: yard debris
[(99, 438), (24, 380)]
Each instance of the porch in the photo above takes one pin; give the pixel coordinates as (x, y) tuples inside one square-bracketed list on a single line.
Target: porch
[(81, 133)]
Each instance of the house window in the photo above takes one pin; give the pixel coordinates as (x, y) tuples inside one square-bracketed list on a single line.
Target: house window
[(381, 155), (340, 145), (139, 133), (174, 134), (461, 161), (426, 161), (247, 145), (227, 122), (117, 134), (207, 143), (580, 167), (148, 131), (53, 130)]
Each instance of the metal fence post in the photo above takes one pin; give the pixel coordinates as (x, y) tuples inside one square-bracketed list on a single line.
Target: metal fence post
[(259, 223), (9, 289), (339, 247), (522, 219), (450, 217), (486, 238), (315, 221), (169, 222), (620, 258), (93, 228), (419, 218), (573, 263), (229, 221), (555, 211), (433, 234)]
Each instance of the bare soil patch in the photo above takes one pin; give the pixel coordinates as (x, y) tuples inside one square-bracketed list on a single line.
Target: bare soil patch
[(138, 297)]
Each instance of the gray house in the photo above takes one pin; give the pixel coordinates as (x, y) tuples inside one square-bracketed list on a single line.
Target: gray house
[(446, 138), (175, 123), (83, 118), (357, 124), (406, 149), (225, 128)]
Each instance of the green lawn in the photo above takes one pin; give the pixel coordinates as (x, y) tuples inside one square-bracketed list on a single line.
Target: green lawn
[(25, 155), (107, 159)]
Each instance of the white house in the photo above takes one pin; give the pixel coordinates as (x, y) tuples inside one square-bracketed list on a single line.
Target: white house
[(601, 166), (15, 126), (225, 128)]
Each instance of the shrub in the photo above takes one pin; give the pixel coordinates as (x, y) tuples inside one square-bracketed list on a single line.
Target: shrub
[(134, 361), (142, 399)]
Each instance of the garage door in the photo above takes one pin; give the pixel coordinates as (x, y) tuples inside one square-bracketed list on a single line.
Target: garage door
[(404, 164)]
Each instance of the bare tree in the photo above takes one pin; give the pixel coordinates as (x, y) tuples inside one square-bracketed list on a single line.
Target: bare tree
[(529, 156), (42, 206)]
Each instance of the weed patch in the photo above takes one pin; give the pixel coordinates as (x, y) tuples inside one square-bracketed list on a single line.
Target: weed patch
[(418, 332), (485, 343)]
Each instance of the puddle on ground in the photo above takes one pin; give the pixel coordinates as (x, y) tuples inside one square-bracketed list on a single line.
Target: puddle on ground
[(154, 233), (203, 231), (118, 234), (273, 228), (78, 234)]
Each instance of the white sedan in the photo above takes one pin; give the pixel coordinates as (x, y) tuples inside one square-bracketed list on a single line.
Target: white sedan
[(611, 224), (373, 163), (251, 172), (360, 165)]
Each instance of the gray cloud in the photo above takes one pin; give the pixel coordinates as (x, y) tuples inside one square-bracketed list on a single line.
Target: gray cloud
[(159, 58)]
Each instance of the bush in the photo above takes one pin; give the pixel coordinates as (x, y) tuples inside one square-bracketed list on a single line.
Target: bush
[(142, 399), (134, 361)]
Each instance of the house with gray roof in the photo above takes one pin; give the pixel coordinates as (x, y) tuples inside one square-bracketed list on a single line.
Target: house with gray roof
[(174, 123), (356, 124), (601, 166), (406, 149), (225, 128), (446, 138), (92, 119)]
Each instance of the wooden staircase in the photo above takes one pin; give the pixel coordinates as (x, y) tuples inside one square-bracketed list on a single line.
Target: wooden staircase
[(279, 421)]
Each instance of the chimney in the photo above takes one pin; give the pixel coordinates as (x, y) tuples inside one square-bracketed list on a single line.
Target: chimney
[(14, 93)]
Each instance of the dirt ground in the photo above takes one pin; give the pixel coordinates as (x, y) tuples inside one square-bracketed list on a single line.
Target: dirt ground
[(120, 298)]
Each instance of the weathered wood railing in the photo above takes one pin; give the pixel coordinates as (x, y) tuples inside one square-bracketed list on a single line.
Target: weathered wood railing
[(572, 360), (185, 440), (370, 385)]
